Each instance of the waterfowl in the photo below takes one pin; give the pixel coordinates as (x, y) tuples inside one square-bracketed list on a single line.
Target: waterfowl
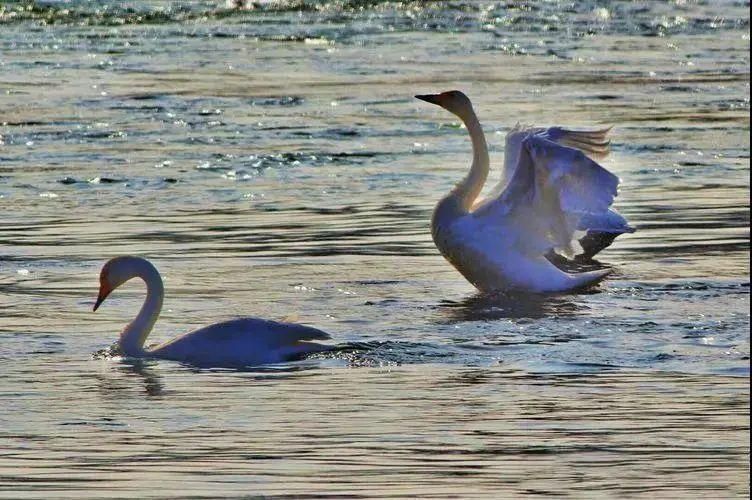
[(551, 189), (235, 343)]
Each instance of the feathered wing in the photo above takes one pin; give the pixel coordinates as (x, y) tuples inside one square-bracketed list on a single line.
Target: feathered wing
[(241, 334), (551, 190), (609, 222), (601, 228), (594, 143), (272, 333)]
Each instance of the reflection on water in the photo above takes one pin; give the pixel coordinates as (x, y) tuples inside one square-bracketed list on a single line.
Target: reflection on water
[(479, 431), (272, 162), (140, 369), (481, 307)]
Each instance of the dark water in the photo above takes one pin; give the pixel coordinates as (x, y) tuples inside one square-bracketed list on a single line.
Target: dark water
[(273, 162)]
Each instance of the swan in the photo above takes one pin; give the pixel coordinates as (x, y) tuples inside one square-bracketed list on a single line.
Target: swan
[(550, 189), (234, 343)]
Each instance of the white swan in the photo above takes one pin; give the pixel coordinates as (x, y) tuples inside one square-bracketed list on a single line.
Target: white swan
[(234, 343), (549, 190)]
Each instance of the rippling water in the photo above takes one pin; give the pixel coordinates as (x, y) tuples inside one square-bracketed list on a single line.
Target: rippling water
[(271, 161)]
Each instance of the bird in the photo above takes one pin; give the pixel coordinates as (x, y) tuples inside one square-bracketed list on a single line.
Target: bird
[(551, 189), (235, 343)]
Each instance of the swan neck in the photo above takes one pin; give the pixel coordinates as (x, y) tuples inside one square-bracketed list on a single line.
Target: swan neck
[(134, 335), (470, 187)]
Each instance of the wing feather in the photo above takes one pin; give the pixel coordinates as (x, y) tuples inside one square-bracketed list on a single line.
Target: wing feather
[(594, 143), (264, 332), (551, 189)]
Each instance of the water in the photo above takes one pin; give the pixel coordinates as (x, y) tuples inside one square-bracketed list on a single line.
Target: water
[(273, 162)]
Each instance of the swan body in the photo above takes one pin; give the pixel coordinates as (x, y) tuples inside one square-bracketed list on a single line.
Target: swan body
[(234, 343), (551, 188)]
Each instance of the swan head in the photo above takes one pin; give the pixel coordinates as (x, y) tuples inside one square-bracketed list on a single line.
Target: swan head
[(453, 101), (116, 272)]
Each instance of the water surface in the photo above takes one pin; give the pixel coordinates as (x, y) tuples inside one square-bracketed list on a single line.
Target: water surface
[(273, 162)]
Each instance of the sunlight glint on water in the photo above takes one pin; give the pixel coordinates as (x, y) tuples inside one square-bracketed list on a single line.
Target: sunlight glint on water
[(273, 162)]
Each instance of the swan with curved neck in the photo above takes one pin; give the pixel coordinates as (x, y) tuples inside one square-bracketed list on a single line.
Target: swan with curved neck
[(549, 190), (234, 343)]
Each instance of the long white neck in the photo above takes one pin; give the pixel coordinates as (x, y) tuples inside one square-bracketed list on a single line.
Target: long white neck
[(134, 335), (470, 187)]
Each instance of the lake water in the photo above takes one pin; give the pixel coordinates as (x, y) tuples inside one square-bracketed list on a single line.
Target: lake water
[(273, 162)]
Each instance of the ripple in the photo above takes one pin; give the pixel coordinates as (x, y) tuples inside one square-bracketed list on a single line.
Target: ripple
[(272, 161)]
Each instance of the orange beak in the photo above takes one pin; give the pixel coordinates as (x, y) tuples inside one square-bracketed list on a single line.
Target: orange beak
[(104, 291)]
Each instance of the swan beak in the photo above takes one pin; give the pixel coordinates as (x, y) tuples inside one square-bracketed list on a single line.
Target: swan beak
[(432, 98), (104, 291)]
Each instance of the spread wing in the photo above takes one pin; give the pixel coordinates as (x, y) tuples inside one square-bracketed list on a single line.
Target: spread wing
[(594, 143), (551, 189)]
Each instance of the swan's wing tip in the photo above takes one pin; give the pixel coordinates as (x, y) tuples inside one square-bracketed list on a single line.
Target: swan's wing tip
[(319, 334), (281, 332), (305, 332)]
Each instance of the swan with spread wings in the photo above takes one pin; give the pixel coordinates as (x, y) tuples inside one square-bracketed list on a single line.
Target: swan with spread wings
[(551, 190)]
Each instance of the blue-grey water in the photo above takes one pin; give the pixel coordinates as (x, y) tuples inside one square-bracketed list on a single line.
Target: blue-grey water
[(271, 160)]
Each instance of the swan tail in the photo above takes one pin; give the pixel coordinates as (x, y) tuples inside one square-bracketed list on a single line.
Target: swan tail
[(587, 279), (538, 275)]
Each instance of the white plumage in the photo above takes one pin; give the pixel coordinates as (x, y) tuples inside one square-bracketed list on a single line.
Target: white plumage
[(551, 188)]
